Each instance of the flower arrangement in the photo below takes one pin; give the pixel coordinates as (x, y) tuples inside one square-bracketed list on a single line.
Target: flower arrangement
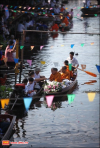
[(52, 86)]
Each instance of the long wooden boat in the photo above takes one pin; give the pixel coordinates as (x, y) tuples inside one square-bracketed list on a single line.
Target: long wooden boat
[(9, 131), (46, 18), (20, 102), (90, 11), (65, 1), (67, 90)]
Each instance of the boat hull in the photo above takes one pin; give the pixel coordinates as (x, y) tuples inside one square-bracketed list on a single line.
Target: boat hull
[(10, 128)]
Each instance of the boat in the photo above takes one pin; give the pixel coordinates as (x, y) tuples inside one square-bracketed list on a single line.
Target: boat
[(10, 130), (19, 99), (67, 90), (66, 28), (88, 12), (65, 1)]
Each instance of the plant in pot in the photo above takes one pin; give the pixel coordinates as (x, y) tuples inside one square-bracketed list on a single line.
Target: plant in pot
[(5, 92)]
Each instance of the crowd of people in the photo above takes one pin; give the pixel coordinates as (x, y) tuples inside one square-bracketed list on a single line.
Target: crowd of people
[(30, 23)]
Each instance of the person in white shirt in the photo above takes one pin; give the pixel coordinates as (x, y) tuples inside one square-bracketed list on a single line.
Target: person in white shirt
[(72, 60), (21, 27), (37, 78), (30, 88), (56, 10), (27, 24), (52, 3)]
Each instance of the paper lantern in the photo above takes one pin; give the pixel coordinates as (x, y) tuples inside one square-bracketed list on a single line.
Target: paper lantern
[(98, 68), (41, 47), (72, 45), (83, 66), (27, 102), (49, 100), (32, 47), (30, 62), (21, 47), (70, 98), (42, 62), (16, 60), (91, 96)]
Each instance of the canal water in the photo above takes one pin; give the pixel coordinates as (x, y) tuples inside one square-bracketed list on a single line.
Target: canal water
[(66, 125)]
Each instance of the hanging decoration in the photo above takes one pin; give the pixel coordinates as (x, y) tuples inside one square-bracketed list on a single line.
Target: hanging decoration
[(49, 100)]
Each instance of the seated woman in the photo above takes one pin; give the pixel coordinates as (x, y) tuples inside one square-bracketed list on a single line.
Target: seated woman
[(37, 79), (30, 88), (55, 76), (9, 55), (65, 74)]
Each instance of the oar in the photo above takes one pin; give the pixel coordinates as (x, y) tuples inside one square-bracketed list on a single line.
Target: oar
[(14, 103), (88, 72)]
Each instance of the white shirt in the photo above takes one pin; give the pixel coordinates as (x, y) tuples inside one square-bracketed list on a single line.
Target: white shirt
[(37, 76), (52, 4), (29, 87), (31, 23), (20, 28), (73, 61), (27, 25), (57, 10)]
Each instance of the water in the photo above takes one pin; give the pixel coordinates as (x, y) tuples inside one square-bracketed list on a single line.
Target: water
[(77, 124)]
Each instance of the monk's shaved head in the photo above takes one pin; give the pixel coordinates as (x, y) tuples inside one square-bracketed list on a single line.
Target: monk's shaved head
[(54, 69), (64, 67)]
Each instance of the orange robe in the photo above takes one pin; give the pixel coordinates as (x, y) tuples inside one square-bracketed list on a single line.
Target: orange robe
[(66, 21), (56, 77), (71, 73), (62, 9), (55, 27), (65, 75)]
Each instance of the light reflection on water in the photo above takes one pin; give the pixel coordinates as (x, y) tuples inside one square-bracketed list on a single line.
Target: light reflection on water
[(74, 125)]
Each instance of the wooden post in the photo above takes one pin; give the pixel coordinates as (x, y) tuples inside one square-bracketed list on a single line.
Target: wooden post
[(21, 63), (17, 49)]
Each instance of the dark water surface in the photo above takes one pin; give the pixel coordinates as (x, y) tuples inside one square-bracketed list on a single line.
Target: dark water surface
[(77, 124)]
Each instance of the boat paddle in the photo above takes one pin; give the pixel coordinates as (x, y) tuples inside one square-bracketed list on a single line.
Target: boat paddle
[(88, 72), (14, 103)]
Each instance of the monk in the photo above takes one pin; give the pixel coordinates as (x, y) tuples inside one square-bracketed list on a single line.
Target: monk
[(65, 20), (65, 74), (67, 69), (54, 27), (55, 76), (67, 66), (62, 8)]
